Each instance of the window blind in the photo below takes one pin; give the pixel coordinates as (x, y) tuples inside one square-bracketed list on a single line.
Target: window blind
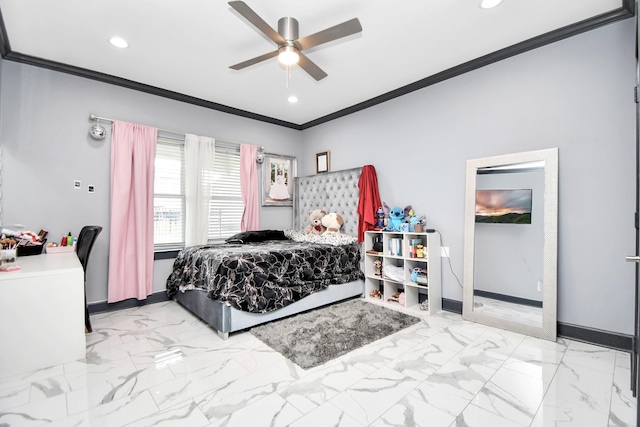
[(225, 203), (226, 195), (169, 200)]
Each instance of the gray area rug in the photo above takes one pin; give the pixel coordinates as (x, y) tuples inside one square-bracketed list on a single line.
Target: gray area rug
[(315, 337)]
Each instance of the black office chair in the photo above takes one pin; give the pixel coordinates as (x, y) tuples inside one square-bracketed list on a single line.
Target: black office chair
[(86, 239)]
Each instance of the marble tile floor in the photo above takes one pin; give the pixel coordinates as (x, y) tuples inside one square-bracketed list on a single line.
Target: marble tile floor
[(158, 365)]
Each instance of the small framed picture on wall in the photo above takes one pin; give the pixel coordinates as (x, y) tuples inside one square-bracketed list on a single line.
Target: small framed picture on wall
[(323, 162)]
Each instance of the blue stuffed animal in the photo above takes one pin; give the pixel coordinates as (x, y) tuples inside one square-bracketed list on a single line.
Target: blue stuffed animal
[(396, 217), (419, 275), (413, 220)]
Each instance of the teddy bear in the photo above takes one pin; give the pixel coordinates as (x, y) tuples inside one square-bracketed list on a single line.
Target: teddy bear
[(333, 221), (315, 219)]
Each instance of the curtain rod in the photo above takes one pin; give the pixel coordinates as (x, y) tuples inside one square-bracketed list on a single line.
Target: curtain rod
[(94, 117)]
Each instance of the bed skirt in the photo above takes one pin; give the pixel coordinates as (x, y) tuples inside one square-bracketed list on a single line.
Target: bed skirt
[(226, 319)]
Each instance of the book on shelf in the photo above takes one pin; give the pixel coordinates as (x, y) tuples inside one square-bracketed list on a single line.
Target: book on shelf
[(395, 246)]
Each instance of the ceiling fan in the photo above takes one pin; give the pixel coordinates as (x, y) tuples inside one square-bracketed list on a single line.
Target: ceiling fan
[(290, 47)]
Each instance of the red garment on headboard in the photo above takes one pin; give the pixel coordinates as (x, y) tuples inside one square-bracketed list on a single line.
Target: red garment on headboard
[(369, 201)]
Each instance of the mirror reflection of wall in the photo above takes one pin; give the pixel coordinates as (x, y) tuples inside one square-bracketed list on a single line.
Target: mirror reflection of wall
[(0, 184), (508, 253), (510, 250)]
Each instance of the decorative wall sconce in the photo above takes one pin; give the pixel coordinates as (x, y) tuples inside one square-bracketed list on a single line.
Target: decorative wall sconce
[(97, 131), (260, 155)]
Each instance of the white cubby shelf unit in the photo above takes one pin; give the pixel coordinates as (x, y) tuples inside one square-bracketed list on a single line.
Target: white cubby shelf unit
[(400, 255)]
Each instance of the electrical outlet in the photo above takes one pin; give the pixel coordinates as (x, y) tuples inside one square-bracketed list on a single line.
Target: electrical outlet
[(444, 251), (92, 188), (76, 184)]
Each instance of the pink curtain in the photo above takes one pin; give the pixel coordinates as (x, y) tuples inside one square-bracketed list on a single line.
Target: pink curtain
[(133, 152), (249, 187)]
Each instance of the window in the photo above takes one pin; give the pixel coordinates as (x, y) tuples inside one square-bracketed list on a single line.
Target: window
[(169, 200), (226, 204)]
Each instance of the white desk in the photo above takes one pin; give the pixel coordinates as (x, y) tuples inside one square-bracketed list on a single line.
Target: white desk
[(41, 313)]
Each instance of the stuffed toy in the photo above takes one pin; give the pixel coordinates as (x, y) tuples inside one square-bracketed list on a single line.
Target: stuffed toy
[(408, 211), (413, 220), (417, 224), (377, 267), (386, 209), (419, 275), (396, 217), (315, 219), (333, 222)]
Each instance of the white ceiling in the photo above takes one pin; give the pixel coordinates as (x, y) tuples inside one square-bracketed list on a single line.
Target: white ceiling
[(187, 46)]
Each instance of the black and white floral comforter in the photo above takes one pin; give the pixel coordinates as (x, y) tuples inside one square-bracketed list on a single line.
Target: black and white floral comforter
[(264, 276)]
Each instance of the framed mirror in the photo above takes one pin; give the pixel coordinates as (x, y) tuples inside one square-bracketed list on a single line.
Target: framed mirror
[(511, 236)]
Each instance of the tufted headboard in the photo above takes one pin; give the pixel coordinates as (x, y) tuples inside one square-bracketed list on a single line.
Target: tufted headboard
[(334, 192)]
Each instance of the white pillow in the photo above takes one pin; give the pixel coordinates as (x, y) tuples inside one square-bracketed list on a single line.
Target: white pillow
[(335, 239)]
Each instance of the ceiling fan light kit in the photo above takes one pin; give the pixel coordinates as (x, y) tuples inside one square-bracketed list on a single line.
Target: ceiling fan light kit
[(290, 47), (288, 55)]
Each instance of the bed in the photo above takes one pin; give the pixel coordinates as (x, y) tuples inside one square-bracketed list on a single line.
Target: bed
[(226, 285)]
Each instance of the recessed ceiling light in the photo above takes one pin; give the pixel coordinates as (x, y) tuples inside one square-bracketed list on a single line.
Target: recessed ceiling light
[(488, 4), (293, 99), (118, 42)]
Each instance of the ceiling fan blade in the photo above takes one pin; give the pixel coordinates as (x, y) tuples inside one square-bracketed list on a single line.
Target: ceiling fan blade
[(336, 32), (255, 60), (310, 67), (248, 13)]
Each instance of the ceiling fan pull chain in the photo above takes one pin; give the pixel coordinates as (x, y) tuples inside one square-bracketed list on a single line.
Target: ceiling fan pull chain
[(288, 75)]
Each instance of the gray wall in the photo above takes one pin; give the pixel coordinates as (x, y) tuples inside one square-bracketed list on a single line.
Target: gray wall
[(46, 146), (508, 257), (577, 95)]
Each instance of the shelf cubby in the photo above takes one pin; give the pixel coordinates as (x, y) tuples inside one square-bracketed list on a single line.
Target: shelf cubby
[(400, 253)]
